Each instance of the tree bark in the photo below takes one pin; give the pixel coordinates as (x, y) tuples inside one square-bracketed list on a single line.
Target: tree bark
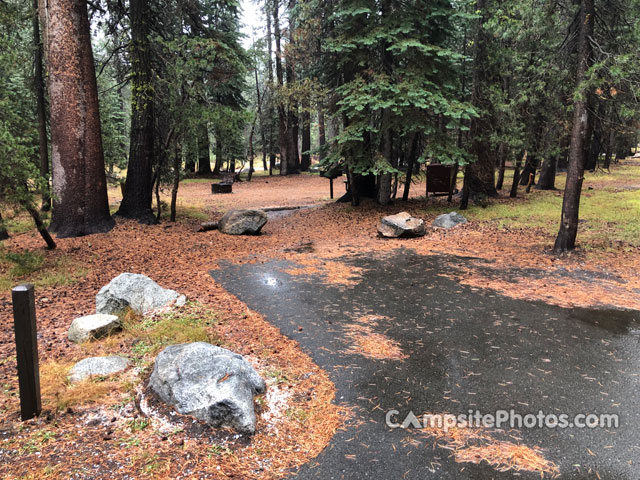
[(516, 176), (41, 109), (410, 166), (263, 138), (282, 117), (176, 182), (138, 191), (270, 110), (217, 168), (566, 239), (80, 203), (293, 152), (322, 135), (502, 165), (547, 177), (480, 174), (384, 179), (204, 156), (305, 162)]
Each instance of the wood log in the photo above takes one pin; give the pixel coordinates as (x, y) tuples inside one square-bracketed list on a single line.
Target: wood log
[(208, 226)]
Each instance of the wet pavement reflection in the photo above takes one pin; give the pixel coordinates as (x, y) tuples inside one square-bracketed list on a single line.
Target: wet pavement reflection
[(466, 349)]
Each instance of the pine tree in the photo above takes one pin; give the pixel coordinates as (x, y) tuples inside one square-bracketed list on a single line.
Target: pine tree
[(80, 205)]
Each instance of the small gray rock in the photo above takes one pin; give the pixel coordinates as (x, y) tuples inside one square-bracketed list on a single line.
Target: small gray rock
[(91, 327), (449, 220), (401, 225), (137, 292), (242, 222), (97, 366), (210, 383)]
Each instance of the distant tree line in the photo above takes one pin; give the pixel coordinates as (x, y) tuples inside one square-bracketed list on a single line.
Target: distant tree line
[(373, 88)]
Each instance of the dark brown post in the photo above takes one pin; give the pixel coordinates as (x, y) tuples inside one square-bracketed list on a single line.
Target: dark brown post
[(331, 187), (24, 320)]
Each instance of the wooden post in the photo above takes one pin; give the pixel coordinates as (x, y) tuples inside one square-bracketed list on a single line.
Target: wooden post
[(24, 320), (331, 187)]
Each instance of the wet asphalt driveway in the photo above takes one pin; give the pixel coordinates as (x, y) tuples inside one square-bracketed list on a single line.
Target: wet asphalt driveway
[(467, 349)]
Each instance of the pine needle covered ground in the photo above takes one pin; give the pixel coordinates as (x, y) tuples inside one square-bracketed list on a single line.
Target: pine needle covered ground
[(96, 429)]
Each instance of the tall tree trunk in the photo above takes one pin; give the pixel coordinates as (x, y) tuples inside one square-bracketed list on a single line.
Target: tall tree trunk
[(204, 155), (547, 178), (282, 117), (293, 152), (502, 165), (38, 81), (270, 110), (218, 165), (138, 191), (480, 175), (516, 176), (305, 161), (322, 135), (566, 239), (384, 179), (176, 181), (263, 138), (80, 203), (611, 140), (595, 145), (413, 142)]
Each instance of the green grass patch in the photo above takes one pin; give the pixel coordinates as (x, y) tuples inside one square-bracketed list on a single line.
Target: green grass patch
[(606, 217), (609, 212), (18, 221), (194, 213), (191, 323), (36, 267)]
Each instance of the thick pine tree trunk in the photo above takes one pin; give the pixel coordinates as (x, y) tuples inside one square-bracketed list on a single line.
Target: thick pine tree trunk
[(80, 204), (38, 81), (479, 176), (204, 157), (566, 239), (138, 191), (282, 116)]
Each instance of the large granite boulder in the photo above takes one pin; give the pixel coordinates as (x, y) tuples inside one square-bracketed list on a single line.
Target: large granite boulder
[(211, 383), (449, 220), (242, 222), (97, 366), (401, 225), (137, 292), (91, 327)]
